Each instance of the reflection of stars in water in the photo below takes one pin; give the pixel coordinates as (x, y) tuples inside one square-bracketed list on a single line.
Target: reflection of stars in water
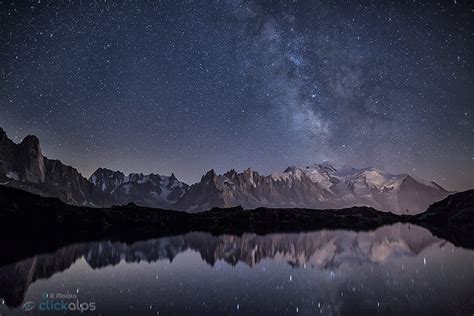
[(187, 284)]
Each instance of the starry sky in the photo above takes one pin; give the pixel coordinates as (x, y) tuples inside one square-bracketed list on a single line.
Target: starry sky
[(186, 86)]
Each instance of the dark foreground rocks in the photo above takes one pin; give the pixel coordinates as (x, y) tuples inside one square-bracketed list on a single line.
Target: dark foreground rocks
[(31, 223)]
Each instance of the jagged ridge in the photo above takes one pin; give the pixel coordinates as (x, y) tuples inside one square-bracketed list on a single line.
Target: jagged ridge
[(152, 190), (318, 186)]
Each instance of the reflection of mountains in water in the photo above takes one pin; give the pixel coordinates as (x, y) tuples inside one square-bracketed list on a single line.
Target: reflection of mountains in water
[(322, 249)]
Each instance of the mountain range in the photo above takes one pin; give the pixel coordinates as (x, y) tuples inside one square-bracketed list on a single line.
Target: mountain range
[(25, 167), (318, 186), (151, 190)]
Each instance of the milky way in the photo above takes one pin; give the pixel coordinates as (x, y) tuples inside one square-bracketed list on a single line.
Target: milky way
[(184, 87)]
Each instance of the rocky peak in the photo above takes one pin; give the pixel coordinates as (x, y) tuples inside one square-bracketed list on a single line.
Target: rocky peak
[(152, 190), (292, 172), (231, 174), (291, 169), (31, 140), (252, 175), (209, 176), (107, 172), (25, 167), (7, 148), (106, 180), (249, 172), (30, 161), (326, 165), (3, 135), (30, 146)]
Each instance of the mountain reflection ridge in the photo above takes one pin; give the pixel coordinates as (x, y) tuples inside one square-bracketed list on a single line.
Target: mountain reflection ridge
[(321, 249)]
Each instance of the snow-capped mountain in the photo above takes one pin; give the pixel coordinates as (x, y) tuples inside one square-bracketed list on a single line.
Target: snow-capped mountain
[(379, 189), (291, 188), (317, 186), (25, 167), (151, 190)]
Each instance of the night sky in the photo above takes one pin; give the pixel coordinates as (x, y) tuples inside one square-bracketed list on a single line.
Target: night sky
[(188, 86)]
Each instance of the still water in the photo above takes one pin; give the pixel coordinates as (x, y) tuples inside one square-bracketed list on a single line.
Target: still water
[(401, 269)]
